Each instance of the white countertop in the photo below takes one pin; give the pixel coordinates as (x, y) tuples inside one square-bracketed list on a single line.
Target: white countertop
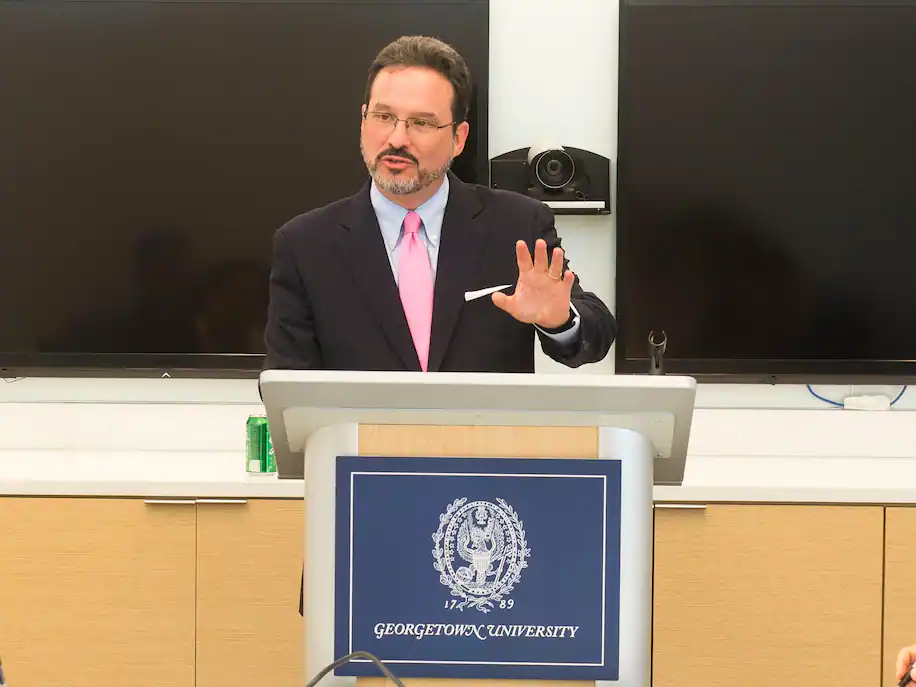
[(200, 474), (157, 448), (273, 488), (255, 487), (701, 495), (138, 473)]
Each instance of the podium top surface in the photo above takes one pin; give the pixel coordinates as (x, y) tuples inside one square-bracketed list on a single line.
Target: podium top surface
[(300, 402)]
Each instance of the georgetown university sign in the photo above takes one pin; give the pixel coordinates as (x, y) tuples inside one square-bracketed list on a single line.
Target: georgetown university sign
[(479, 568)]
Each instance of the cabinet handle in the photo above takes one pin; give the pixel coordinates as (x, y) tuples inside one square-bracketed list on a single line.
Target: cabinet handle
[(169, 502), (681, 506), (222, 500)]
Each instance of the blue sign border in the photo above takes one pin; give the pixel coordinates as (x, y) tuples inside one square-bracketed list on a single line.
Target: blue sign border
[(605, 667)]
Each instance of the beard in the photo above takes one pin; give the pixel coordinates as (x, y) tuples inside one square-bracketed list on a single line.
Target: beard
[(396, 182)]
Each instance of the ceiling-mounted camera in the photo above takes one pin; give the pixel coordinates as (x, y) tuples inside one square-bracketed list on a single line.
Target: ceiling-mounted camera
[(570, 180)]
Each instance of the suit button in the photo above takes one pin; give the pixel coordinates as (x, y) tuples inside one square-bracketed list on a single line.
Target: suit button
[(586, 346)]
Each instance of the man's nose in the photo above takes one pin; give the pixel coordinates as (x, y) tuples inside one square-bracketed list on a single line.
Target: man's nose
[(399, 137)]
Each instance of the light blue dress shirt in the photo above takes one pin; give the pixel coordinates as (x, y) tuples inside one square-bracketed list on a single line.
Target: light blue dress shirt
[(390, 218)]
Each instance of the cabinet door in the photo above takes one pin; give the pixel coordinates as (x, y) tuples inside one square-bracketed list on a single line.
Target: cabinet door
[(96, 592), (249, 566), (899, 586), (763, 595)]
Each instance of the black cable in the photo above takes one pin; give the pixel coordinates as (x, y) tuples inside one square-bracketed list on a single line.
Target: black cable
[(349, 657)]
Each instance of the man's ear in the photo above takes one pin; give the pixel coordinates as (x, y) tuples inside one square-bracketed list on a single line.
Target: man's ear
[(461, 137)]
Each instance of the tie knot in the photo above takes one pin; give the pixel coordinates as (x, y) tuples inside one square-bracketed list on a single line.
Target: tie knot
[(411, 223)]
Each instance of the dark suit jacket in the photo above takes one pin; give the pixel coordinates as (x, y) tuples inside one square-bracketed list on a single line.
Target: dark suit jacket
[(334, 302)]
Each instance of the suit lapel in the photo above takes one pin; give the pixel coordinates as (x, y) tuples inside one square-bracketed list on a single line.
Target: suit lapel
[(364, 250), (460, 244)]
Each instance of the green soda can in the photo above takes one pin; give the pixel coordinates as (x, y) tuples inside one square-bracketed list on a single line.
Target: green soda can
[(270, 466), (256, 444)]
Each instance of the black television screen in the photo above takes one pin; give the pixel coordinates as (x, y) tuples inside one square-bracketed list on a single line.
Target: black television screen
[(766, 201), (150, 149)]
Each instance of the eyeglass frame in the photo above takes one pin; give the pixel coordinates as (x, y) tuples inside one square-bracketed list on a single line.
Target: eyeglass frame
[(396, 119)]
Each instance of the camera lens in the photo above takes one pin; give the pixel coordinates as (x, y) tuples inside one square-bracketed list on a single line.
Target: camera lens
[(554, 169)]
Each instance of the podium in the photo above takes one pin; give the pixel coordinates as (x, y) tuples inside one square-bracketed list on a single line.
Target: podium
[(642, 422)]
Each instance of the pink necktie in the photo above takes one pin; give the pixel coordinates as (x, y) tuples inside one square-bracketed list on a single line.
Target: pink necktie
[(415, 283)]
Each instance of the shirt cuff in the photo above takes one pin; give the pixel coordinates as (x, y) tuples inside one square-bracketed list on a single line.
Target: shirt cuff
[(568, 335)]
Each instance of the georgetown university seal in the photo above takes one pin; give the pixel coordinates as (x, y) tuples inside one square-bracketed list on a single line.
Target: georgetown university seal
[(480, 551)]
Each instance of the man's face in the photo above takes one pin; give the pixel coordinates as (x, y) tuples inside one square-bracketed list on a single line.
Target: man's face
[(406, 159)]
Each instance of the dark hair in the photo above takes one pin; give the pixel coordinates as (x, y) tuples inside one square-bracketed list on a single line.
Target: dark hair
[(423, 51)]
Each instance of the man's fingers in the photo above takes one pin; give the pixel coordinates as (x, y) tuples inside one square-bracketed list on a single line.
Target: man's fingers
[(522, 256), (500, 300), (556, 264), (904, 660), (540, 255)]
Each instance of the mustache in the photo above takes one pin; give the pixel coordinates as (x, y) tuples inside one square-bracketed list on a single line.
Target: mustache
[(396, 152)]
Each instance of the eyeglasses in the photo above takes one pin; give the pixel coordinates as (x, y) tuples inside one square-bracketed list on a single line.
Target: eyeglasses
[(420, 126)]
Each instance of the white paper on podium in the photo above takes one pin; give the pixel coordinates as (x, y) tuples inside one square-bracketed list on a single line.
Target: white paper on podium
[(471, 295)]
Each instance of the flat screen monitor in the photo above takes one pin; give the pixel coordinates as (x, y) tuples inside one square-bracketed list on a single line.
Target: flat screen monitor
[(766, 200), (149, 150)]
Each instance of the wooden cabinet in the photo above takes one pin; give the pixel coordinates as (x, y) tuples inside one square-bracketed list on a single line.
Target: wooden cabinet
[(249, 564), (763, 595), (899, 586), (106, 592), (96, 592)]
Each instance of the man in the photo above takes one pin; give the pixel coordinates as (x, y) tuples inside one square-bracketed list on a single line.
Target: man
[(376, 281)]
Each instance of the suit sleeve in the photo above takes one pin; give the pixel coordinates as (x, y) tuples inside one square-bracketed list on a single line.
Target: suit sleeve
[(290, 332), (597, 326)]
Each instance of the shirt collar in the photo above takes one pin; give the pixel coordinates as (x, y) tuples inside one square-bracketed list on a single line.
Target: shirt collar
[(391, 215)]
